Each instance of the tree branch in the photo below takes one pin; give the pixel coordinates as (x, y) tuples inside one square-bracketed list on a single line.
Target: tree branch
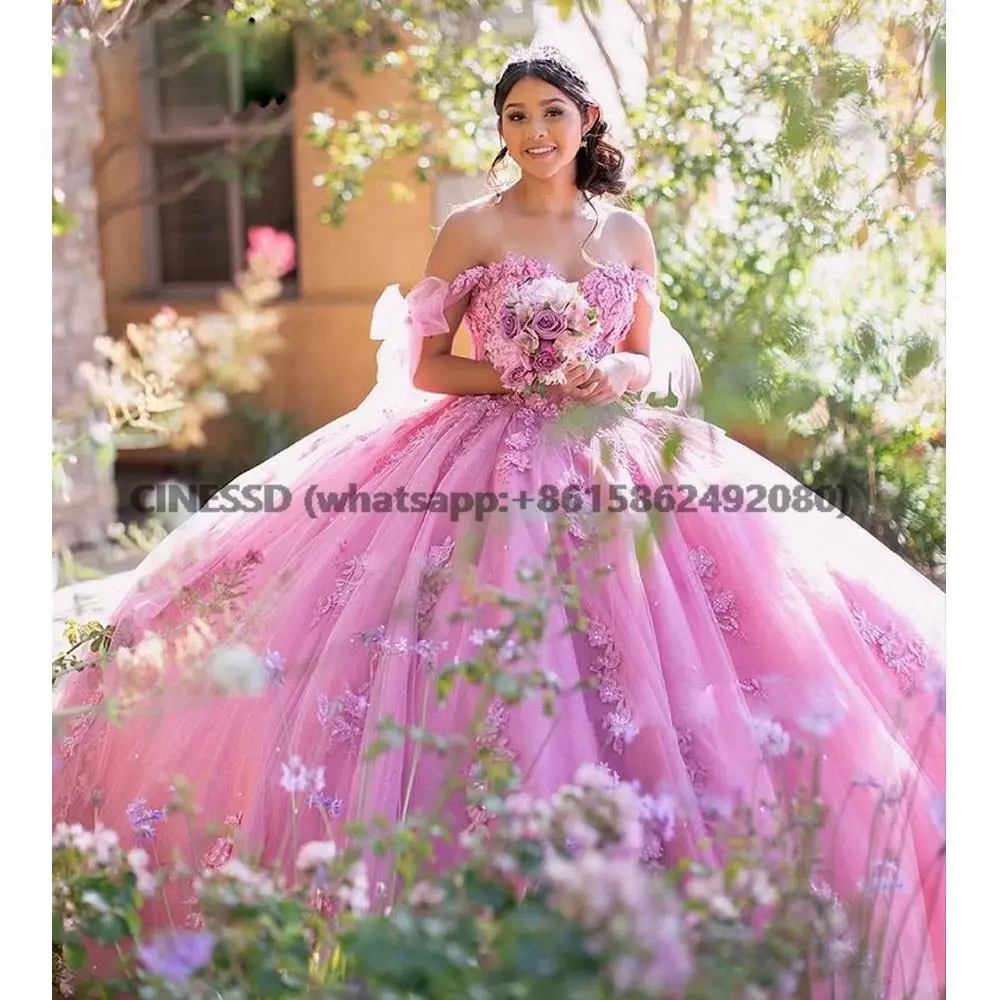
[(248, 139), (637, 10), (595, 34), (684, 31), (108, 210)]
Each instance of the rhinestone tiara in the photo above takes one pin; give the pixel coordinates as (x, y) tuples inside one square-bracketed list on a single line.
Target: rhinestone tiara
[(548, 52)]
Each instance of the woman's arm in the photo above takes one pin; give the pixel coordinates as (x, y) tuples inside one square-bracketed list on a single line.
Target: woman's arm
[(628, 368), (438, 369), (634, 346)]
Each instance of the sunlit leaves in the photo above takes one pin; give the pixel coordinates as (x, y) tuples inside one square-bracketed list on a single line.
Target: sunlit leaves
[(63, 221), (938, 60), (60, 60)]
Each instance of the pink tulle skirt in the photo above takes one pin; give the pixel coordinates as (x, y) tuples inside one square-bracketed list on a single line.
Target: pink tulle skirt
[(741, 620)]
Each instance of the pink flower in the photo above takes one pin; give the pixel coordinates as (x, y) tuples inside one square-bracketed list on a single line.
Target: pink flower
[(508, 323), (526, 341), (516, 377), (548, 324), (546, 360), (276, 249), (577, 318)]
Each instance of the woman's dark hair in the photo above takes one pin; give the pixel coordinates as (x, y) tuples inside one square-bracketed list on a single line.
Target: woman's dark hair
[(600, 165)]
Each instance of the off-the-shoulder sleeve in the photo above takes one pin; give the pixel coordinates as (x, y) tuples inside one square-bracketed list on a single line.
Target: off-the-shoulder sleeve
[(645, 286), (466, 281), (432, 296)]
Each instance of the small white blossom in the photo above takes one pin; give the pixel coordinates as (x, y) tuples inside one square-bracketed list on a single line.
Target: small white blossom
[(769, 735), (296, 777), (237, 669), (145, 881), (315, 854), (353, 891), (426, 894)]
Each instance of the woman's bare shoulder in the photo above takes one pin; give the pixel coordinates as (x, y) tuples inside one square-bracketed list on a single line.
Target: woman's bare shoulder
[(464, 238), (629, 230)]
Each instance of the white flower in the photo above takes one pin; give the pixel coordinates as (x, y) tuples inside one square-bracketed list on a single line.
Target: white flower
[(770, 737), (722, 906), (315, 854), (596, 776), (761, 889), (94, 901), (481, 636), (145, 881), (241, 872), (826, 712), (554, 291), (353, 890), (101, 843), (237, 669), (296, 777), (426, 894)]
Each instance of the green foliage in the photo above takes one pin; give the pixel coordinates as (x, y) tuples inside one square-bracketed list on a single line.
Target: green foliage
[(60, 60)]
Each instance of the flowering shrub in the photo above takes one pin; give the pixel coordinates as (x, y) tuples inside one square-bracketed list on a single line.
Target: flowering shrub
[(555, 895), (568, 893), (171, 375)]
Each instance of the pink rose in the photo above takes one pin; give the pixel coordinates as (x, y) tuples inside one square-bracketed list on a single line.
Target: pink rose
[(526, 341), (547, 360), (275, 249), (516, 377), (508, 323)]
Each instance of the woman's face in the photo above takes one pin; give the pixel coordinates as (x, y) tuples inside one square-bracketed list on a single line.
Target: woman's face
[(542, 127)]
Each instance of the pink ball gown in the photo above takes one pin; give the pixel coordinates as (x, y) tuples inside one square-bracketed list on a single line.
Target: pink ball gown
[(749, 623)]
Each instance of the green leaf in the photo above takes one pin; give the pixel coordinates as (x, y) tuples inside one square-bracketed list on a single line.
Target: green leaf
[(920, 354), (74, 954), (60, 60), (938, 75)]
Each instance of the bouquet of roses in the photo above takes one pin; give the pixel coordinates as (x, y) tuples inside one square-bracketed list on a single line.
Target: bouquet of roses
[(545, 325)]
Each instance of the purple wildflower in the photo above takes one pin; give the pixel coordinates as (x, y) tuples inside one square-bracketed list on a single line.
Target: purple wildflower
[(883, 876), (938, 812), (274, 667), (427, 651), (332, 805), (144, 820), (175, 955)]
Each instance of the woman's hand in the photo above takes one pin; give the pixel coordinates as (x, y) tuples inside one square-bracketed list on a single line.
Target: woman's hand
[(608, 381), (576, 374)]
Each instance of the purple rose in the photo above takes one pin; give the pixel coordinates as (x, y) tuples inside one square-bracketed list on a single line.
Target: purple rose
[(508, 323), (548, 324), (546, 360), (515, 377)]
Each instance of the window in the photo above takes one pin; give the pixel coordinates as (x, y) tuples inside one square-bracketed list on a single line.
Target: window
[(217, 111)]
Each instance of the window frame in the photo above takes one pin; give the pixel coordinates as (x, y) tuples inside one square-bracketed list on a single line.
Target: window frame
[(156, 136)]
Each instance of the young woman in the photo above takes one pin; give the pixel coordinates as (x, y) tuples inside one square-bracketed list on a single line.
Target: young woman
[(755, 619)]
